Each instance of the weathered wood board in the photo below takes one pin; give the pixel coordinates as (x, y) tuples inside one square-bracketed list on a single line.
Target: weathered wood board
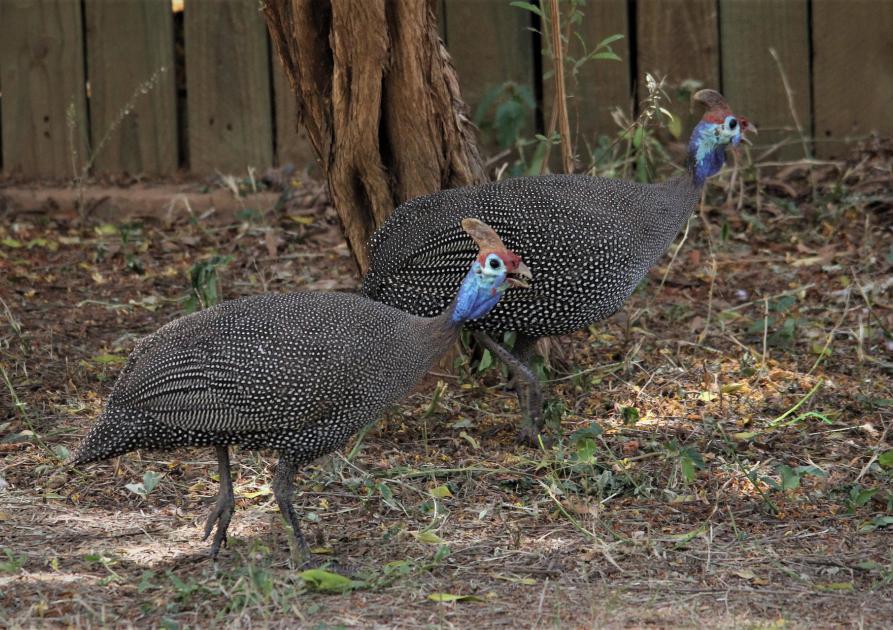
[(752, 79), (852, 43), (130, 58), (490, 43), (600, 85), (230, 122), (44, 119), (679, 40), (292, 143)]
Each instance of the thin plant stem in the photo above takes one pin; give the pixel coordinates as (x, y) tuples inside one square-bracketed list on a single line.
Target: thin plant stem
[(560, 103)]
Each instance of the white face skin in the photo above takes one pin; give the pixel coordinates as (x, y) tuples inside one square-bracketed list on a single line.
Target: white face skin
[(493, 271), (730, 131)]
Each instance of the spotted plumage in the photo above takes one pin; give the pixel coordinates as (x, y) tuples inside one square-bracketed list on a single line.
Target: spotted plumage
[(588, 240), (299, 373)]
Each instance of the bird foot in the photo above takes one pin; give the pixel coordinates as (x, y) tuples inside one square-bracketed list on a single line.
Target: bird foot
[(532, 436), (220, 515)]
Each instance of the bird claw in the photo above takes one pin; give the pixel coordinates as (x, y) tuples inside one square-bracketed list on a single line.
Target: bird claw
[(219, 516), (531, 435)]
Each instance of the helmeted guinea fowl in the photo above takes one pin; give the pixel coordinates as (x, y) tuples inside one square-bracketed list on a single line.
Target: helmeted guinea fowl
[(298, 372), (589, 241)]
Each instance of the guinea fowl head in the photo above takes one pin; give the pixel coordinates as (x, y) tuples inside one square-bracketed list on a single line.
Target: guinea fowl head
[(718, 128), (492, 272)]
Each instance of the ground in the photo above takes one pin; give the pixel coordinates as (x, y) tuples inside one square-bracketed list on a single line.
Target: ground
[(723, 455)]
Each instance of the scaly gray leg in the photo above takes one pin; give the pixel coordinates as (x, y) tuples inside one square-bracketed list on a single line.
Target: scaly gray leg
[(283, 488), (527, 385), (226, 503), (524, 350)]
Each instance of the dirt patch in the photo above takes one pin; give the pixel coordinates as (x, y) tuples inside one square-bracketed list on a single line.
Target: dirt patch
[(724, 456)]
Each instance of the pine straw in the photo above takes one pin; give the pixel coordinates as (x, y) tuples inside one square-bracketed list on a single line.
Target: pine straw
[(541, 538)]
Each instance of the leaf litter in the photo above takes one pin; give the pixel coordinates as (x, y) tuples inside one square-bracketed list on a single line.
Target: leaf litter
[(725, 450)]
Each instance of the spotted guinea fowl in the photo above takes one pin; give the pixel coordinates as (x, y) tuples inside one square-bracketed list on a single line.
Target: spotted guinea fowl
[(589, 241), (298, 372)]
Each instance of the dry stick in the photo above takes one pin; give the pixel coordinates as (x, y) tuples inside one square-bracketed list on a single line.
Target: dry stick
[(874, 455), (765, 331), (703, 334), (675, 253), (789, 93), (830, 338), (564, 132), (602, 546)]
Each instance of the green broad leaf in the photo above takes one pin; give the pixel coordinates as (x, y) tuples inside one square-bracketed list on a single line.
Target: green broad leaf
[(106, 229), (525, 581), (707, 396), (610, 39), (327, 581), (674, 125), (384, 491), (442, 553), (811, 470), (638, 136), (745, 435), (11, 243), (835, 586), (136, 488), (527, 7), (108, 359), (688, 536), (440, 492), (869, 565), (885, 459), (262, 491), (450, 597), (429, 538), (878, 522), (468, 438), (61, 452), (688, 469), (607, 54), (150, 480), (591, 432), (689, 462), (790, 479), (630, 415), (486, 361)]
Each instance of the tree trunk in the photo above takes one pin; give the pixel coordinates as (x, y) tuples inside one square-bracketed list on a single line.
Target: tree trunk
[(380, 100)]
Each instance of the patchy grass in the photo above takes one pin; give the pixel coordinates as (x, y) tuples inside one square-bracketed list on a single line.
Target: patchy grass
[(724, 456)]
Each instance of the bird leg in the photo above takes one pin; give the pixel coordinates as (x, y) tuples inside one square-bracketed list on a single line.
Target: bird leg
[(226, 503), (526, 383), (283, 489)]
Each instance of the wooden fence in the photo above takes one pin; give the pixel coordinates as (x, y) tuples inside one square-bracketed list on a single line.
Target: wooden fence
[(133, 86)]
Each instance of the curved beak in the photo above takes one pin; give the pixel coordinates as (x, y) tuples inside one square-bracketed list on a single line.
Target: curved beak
[(517, 277)]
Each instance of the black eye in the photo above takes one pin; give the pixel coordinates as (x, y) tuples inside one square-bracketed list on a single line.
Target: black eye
[(733, 123), (494, 263)]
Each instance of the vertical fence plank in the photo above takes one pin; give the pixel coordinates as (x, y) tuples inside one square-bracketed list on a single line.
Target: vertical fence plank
[(490, 43), (130, 62), (751, 79), (292, 144), (600, 86), (678, 40), (42, 74), (852, 71), (227, 86)]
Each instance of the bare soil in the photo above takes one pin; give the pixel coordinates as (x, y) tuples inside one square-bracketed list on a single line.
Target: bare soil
[(713, 466)]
